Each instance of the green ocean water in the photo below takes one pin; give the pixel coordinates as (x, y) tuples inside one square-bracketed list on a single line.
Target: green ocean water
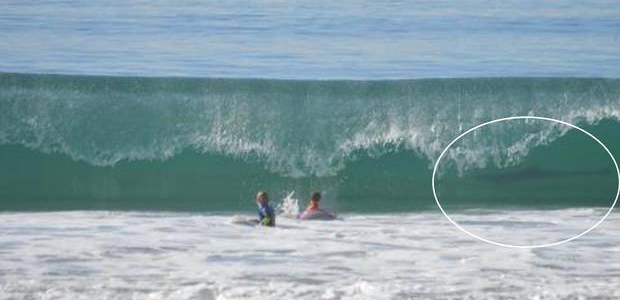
[(133, 143)]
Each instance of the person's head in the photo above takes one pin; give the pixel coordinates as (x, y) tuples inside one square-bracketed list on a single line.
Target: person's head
[(262, 198), (315, 197)]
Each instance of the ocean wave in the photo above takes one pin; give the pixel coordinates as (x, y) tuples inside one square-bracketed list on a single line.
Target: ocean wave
[(294, 128)]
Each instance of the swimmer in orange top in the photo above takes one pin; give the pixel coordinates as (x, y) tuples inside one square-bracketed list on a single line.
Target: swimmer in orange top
[(314, 201), (313, 212)]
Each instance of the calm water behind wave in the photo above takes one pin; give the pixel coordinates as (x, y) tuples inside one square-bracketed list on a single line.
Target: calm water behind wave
[(312, 39)]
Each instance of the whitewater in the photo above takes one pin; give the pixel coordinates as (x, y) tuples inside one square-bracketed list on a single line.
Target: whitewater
[(140, 255)]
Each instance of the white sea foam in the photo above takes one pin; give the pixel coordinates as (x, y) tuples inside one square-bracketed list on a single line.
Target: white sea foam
[(136, 255), (289, 206)]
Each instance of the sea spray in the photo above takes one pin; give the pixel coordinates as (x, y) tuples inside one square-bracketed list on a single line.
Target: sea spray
[(288, 207)]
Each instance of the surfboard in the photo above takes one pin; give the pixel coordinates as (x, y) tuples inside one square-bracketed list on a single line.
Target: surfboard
[(242, 220), (318, 214)]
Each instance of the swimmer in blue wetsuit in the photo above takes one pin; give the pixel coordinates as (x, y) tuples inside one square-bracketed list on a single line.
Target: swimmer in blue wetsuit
[(266, 217)]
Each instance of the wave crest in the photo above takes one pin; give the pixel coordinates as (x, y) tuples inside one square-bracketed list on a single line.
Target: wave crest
[(295, 128)]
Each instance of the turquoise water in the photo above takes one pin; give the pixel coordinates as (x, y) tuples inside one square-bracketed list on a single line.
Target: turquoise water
[(92, 142)]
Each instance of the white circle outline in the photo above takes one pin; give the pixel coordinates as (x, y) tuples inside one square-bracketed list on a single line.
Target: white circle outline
[(525, 246)]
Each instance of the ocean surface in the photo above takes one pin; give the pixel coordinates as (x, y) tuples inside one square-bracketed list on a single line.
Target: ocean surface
[(350, 39), (137, 255), (134, 134)]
